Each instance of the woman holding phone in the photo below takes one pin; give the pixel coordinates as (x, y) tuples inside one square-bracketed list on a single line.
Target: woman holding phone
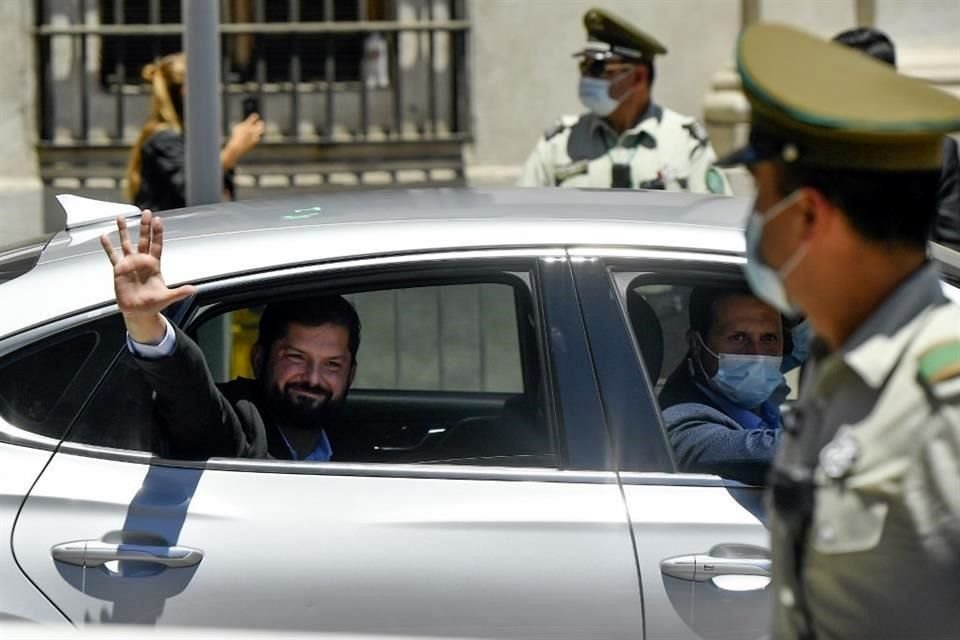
[(155, 173)]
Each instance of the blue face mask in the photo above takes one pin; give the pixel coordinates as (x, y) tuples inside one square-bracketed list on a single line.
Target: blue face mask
[(801, 347), (595, 94), (747, 380), (765, 281)]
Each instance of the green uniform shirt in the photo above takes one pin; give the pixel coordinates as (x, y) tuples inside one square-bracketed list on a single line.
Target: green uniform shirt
[(664, 150), (865, 491)]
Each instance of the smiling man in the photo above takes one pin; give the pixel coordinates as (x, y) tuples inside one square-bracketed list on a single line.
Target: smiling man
[(720, 406), (304, 359)]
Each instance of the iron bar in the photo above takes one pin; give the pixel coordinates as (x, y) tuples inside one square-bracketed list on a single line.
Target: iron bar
[(261, 63), (295, 72), (119, 72), (431, 74), (84, 85), (396, 83), (45, 105), (329, 72)]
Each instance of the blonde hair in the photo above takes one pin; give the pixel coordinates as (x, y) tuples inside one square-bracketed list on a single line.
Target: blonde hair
[(166, 76)]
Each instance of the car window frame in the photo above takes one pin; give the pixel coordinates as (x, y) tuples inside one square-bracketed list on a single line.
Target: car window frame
[(432, 278), (605, 301), (293, 279)]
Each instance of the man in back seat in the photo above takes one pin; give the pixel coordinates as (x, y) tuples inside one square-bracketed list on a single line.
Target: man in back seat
[(721, 404)]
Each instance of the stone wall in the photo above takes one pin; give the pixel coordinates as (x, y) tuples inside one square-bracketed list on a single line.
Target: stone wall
[(20, 188)]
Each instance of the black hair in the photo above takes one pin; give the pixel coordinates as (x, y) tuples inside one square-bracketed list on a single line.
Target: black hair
[(703, 305), (873, 42), (313, 312), (702, 308), (896, 208)]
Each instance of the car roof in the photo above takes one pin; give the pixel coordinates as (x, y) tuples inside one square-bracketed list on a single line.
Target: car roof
[(206, 242)]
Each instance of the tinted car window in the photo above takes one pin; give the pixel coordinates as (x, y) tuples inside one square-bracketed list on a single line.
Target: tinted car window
[(43, 386)]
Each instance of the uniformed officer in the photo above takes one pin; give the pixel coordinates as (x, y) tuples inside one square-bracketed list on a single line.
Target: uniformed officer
[(865, 488), (625, 140)]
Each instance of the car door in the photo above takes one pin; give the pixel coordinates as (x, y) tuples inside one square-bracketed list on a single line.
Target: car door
[(701, 545), (116, 535)]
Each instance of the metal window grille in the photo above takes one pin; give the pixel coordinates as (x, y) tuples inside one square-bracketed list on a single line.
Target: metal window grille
[(354, 92)]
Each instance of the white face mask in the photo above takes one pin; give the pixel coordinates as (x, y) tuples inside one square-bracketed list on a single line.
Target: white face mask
[(595, 94), (766, 281)]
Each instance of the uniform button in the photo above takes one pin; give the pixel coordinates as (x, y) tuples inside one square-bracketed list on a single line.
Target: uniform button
[(786, 597), (837, 457)]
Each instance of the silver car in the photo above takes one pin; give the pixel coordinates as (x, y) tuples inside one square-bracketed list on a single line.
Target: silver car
[(515, 481)]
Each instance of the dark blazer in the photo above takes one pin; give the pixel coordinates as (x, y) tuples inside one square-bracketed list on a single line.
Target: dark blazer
[(947, 227), (200, 419), (707, 440)]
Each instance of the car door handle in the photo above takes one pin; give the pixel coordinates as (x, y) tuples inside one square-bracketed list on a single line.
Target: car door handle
[(96, 553), (723, 560)]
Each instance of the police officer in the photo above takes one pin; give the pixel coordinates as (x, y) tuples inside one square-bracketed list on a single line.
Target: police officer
[(625, 140), (865, 488)]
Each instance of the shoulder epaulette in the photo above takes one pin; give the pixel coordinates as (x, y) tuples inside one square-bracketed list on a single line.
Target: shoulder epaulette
[(558, 127), (697, 132), (940, 363), (553, 130)]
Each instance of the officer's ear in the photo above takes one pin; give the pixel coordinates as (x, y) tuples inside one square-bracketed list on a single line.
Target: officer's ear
[(641, 74), (820, 215)]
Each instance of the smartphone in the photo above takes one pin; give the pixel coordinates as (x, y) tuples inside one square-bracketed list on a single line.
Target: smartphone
[(251, 104)]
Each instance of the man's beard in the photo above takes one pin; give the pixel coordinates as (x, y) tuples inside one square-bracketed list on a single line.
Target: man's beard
[(292, 409)]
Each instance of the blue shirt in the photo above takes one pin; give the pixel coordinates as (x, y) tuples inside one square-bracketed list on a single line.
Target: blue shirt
[(321, 453), (769, 412)]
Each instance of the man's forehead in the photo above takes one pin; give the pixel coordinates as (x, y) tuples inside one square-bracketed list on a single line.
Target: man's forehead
[(744, 309), (327, 333)]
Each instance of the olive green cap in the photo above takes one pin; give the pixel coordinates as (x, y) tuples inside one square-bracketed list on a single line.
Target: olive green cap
[(617, 37), (823, 104)]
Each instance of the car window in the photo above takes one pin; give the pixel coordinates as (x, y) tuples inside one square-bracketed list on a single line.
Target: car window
[(43, 385), (446, 373), (458, 337)]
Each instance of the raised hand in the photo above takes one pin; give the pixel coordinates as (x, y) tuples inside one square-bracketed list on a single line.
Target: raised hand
[(244, 137), (141, 292)]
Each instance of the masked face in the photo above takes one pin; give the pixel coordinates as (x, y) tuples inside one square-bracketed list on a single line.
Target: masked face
[(766, 282), (595, 93), (746, 379)]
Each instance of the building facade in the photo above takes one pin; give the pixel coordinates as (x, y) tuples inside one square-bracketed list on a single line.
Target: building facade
[(374, 93)]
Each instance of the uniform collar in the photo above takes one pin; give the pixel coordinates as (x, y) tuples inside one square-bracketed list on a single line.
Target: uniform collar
[(875, 347), (647, 123)]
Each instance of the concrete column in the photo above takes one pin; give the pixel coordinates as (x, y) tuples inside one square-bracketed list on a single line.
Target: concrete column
[(21, 191)]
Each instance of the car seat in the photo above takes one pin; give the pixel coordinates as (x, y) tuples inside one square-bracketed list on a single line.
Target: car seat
[(648, 333)]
